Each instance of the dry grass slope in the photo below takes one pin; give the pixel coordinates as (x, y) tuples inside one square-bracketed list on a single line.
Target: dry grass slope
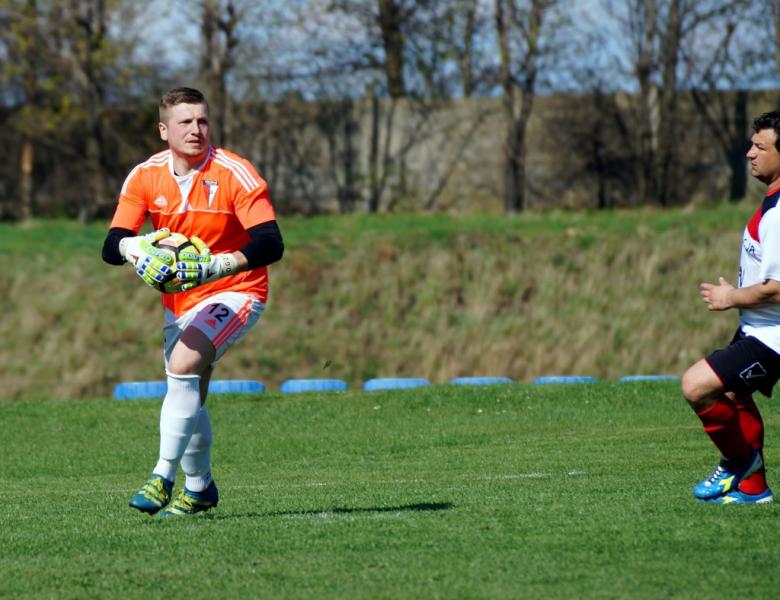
[(597, 295)]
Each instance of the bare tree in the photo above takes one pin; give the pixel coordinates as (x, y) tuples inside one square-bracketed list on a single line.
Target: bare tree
[(41, 71), (466, 52), (423, 49), (774, 11), (21, 70), (29, 34), (390, 18), (642, 26), (723, 60), (89, 45), (768, 23), (405, 52), (75, 65), (219, 24), (519, 31), (447, 41), (657, 31), (668, 103)]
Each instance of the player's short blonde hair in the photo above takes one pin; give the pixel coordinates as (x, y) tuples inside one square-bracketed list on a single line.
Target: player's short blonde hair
[(180, 95)]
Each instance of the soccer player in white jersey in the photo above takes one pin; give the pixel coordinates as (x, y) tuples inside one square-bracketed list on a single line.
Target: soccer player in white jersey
[(719, 387), (215, 196)]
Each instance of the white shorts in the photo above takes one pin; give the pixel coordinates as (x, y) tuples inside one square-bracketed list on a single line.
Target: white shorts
[(224, 318)]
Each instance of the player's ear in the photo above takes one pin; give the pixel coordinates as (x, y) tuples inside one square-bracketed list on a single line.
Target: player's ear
[(163, 131)]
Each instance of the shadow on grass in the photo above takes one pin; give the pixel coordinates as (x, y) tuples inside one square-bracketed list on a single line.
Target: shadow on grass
[(418, 507)]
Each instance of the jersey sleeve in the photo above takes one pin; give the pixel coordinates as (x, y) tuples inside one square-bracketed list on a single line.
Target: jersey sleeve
[(253, 207), (131, 210), (770, 245)]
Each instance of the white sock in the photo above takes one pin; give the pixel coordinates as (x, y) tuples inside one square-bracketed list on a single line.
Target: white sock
[(196, 462), (178, 418)]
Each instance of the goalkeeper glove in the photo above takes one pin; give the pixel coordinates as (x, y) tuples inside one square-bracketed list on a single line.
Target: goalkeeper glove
[(152, 264), (196, 269)]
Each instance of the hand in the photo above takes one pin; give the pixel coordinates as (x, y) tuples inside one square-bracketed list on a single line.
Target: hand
[(717, 296), (152, 264), (196, 269)]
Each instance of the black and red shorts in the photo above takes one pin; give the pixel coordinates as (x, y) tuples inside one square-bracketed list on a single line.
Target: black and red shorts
[(746, 365)]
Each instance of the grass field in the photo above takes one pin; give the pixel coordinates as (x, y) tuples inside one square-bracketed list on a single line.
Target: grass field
[(519, 491)]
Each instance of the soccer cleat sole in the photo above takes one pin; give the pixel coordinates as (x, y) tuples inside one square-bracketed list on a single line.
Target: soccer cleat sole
[(740, 497), (178, 512), (189, 503), (149, 509)]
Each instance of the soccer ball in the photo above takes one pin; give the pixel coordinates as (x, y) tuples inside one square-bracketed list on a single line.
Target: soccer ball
[(174, 244)]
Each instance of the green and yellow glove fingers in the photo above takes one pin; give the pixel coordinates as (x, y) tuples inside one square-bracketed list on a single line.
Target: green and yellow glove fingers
[(156, 266), (204, 267), (152, 264), (172, 287), (190, 273), (192, 265), (131, 247)]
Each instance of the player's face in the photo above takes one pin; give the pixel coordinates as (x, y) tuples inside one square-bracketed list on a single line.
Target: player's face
[(764, 157), (186, 129)]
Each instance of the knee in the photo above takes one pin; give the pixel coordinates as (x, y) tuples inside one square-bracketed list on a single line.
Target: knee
[(689, 388), (188, 359), (697, 390), (181, 369)]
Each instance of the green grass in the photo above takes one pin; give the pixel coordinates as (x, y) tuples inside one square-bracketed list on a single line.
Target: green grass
[(520, 491), (70, 236)]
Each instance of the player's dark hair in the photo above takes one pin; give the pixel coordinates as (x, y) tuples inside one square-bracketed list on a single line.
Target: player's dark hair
[(181, 95), (769, 120)]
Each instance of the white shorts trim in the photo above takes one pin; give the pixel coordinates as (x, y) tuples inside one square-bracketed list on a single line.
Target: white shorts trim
[(224, 318)]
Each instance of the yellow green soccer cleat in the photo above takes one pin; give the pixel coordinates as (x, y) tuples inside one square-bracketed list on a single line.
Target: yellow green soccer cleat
[(155, 495), (188, 502)]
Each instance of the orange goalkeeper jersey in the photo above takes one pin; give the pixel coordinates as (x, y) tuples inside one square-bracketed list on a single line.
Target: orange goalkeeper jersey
[(218, 203)]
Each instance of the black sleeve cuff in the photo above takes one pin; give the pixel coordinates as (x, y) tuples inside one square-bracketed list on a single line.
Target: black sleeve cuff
[(111, 245), (266, 245)]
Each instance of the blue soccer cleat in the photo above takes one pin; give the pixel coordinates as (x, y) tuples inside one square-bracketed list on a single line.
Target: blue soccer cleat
[(155, 495), (740, 497), (188, 502), (726, 477)]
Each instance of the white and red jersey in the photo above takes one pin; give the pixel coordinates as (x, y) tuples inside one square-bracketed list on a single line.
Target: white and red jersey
[(759, 261), (217, 202)]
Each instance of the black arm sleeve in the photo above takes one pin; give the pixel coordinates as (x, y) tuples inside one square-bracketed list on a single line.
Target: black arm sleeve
[(111, 245), (265, 247)]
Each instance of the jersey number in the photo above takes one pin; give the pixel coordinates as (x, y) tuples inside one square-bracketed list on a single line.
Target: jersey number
[(219, 312)]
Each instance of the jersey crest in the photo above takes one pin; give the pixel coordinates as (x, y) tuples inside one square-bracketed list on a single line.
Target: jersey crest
[(210, 189)]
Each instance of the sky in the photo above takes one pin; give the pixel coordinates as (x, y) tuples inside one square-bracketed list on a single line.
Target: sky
[(175, 37)]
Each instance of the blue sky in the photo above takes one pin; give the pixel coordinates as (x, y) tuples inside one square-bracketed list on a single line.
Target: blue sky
[(175, 38)]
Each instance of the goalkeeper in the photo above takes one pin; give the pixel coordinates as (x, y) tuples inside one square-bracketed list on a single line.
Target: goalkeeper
[(218, 200)]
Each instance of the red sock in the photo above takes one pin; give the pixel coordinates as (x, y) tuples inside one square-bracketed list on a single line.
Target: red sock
[(721, 422), (752, 426)]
